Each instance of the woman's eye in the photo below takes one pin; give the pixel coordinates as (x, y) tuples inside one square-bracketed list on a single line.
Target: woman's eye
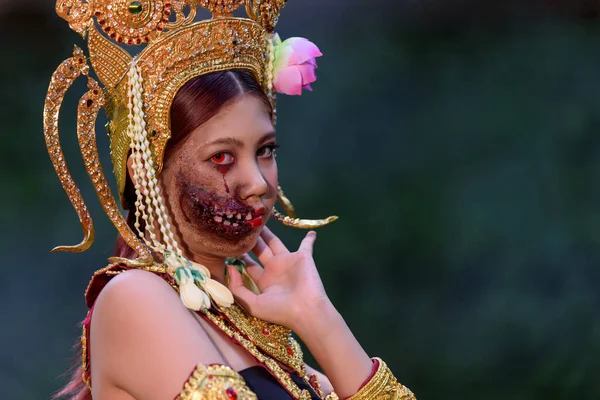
[(267, 151), (222, 158)]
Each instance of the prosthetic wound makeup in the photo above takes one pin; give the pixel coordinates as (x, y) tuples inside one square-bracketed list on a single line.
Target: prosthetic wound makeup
[(230, 218)]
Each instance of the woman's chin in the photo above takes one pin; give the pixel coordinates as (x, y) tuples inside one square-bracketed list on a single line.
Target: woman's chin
[(231, 247)]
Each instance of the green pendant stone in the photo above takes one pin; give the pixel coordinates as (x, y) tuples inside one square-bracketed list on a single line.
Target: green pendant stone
[(135, 7)]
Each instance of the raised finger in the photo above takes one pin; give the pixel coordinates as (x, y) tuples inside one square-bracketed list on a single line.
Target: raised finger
[(276, 245), (308, 242)]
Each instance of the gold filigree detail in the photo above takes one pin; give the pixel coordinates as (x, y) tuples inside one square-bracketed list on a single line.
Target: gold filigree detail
[(89, 105), (265, 11), (215, 382), (221, 7), (132, 25), (273, 366), (78, 13), (85, 376), (61, 81), (273, 339), (109, 61), (383, 386)]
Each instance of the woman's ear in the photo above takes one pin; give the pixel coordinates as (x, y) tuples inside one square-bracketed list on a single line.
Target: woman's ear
[(130, 169)]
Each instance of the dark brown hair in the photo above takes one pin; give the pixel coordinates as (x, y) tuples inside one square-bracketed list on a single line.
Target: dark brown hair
[(199, 100)]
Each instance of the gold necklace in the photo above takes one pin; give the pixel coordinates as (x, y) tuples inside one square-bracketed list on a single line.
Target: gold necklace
[(231, 329), (274, 340)]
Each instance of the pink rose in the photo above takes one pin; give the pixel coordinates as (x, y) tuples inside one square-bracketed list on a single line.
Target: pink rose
[(294, 65)]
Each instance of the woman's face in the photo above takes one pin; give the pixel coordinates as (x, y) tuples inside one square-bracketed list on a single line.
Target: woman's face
[(220, 184)]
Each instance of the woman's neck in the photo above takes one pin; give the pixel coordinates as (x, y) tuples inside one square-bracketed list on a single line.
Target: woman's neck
[(216, 265)]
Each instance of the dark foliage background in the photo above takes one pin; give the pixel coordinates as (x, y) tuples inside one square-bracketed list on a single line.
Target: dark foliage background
[(457, 140)]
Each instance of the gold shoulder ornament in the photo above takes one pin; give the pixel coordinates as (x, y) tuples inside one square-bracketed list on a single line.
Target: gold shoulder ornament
[(215, 382)]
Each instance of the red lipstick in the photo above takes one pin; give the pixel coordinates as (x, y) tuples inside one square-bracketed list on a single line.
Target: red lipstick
[(258, 218)]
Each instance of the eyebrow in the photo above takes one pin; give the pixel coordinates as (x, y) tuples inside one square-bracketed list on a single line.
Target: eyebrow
[(237, 142)]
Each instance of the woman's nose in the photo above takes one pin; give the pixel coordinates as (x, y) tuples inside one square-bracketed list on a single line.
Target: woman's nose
[(253, 183)]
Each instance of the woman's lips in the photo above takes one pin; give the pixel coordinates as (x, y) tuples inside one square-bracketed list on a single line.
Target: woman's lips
[(255, 222), (258, 218)]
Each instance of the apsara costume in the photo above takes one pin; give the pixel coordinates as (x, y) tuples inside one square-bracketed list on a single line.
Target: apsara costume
[(136, 93)]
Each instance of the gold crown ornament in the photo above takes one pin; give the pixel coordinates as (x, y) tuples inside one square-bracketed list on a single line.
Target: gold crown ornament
[(136, 93)]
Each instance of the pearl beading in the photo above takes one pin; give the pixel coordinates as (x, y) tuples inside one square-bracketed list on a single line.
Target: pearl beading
[(149, 204)]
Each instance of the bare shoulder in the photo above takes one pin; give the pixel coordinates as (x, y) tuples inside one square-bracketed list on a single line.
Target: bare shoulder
[(143, 340), (133, 289)]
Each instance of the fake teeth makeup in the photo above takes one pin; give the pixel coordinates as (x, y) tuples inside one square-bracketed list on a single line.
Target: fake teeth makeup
[(232, 219)]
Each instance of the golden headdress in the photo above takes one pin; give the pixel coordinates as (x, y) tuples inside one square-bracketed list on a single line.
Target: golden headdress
[(137, 92)]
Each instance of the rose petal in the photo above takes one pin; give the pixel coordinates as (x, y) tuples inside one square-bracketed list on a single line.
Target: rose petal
[(308, 73), (307, 87), (288, 81)]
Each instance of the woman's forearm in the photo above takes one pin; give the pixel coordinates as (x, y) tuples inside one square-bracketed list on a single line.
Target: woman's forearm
[(335, 348)]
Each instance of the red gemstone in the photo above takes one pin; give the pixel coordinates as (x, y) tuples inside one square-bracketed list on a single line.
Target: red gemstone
[(97, 13), (138, 40), (290, 351), (89, 102), (129, 41), (146, 39), (159, 28), (95, 91), (265, 331), (231, 393), (167, 12), (167, 5), (101, 22), (80, 61), (113, 35), (120, 39), (106, 29)]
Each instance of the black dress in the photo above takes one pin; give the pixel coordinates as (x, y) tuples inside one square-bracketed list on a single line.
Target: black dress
[(266, 387)]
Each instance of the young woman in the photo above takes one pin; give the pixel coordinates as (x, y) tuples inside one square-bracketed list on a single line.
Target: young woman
[(183, 310)]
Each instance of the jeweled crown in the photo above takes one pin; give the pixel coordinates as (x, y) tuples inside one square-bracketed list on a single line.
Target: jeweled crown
[(177, 48)]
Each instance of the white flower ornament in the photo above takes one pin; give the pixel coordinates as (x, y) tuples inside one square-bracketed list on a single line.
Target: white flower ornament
[(195, 284)]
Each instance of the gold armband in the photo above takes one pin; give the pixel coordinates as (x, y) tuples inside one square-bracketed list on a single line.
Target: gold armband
[(215, 382), (383, 386)]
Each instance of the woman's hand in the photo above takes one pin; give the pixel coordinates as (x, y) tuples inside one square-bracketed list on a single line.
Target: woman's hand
[(290, 284), (292, 295)]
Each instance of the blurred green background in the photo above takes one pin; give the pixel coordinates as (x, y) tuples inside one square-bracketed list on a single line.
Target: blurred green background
[(458, 141)]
